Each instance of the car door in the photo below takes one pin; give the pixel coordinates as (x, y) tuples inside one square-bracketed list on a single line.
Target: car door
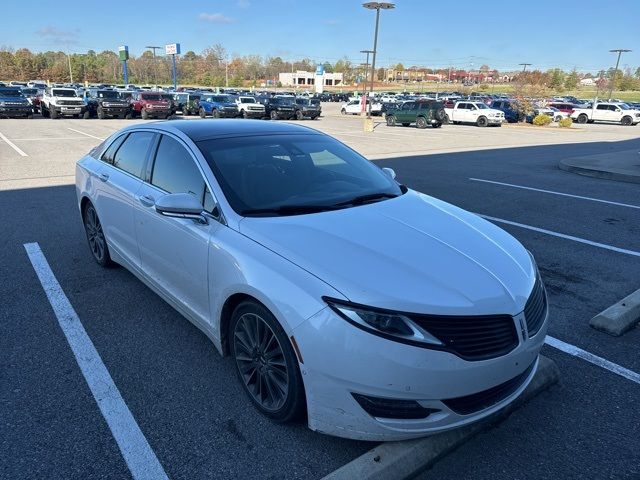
[(601, 112), (120, 177), (174, 251)]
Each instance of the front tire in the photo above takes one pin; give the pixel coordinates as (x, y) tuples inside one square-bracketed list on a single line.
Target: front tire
[(53, 113), (215, 113), (273, 115), (482, 122), (446, 120), (266, 362), (86, 115), (144, 114), (101, 113), (95, 236), (626, 121), (343, 111)]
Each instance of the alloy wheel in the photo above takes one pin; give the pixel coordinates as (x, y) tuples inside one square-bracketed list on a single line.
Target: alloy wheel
[(95, 235), (261, 361)]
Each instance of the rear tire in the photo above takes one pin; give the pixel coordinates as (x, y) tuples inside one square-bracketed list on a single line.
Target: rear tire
[(582, 118), (129, 116), (391, 121), (266, 363), (95, 236), (343, 111), (421, 122), (446, 120), (202, 113)]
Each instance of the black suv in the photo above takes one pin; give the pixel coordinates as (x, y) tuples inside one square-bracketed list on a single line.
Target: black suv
[(279, 107), (307, 108), (422, 113), (103, 103)]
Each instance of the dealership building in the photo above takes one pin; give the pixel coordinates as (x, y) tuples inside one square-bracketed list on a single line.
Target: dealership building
[(304, 79)]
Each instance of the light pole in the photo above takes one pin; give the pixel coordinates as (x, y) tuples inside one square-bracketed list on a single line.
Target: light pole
[(155, 72), (366, 73), (619, 51), (377, 6)]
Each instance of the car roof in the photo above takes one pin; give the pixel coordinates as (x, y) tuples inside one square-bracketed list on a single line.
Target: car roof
[(198, 130)]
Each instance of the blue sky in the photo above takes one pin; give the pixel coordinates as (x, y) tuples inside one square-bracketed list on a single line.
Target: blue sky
[(500, 33)]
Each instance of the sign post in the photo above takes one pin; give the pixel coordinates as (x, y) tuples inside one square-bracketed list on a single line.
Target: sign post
[(123, 52), (319, 80), (173, 49)]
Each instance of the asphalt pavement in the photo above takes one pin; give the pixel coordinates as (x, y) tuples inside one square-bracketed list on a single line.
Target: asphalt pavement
[(185, 397)]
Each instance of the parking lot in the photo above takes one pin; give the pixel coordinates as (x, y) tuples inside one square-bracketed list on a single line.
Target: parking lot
[(584, 233)]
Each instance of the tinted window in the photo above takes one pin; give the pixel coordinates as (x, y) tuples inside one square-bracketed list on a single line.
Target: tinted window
[(175, 171), (109, 154), (131, 155), (602, 107)]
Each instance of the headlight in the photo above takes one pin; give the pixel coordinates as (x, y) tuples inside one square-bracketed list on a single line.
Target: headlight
[(384, 323), (2, 104)]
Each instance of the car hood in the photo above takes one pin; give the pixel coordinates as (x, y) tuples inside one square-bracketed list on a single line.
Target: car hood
[(16, 100), (413, 253)]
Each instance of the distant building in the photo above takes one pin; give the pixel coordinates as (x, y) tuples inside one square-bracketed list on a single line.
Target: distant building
[(304, 79), (587, 82)]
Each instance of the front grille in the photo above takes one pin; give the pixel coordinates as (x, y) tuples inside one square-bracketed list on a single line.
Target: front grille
[(536, 308), (479, 401), (392, 408), (69, 102), (473, 337)]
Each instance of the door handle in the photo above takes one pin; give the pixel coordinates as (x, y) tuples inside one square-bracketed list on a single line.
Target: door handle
[(104, 177), (147, 201)]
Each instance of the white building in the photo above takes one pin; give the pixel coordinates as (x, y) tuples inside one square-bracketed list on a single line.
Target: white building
[(304, 79), (587, 82)]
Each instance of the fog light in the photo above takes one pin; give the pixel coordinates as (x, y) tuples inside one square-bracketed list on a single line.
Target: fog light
[(392, 408)]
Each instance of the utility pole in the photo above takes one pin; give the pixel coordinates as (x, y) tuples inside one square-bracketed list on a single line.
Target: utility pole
[(377, 6), (70, 72), (155, 71), (619, 51), (366, 75), (524, 66)]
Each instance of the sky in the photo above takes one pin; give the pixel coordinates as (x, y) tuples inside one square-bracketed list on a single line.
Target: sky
[(462, 34)]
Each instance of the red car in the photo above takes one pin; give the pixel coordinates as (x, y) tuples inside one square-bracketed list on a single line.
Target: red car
[(149, 105), (563, 106)]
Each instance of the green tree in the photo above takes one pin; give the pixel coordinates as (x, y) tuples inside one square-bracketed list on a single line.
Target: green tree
[(556, 78), (572, 80), (637, 74), (399, 67), (328, 68)]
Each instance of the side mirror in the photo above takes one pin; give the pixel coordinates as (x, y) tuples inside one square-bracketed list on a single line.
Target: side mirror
[(181, 205), (390, 172)]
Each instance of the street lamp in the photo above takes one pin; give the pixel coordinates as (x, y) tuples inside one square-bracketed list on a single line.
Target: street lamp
[(155, 72), (619, 51), (366, 72), (377, 6)]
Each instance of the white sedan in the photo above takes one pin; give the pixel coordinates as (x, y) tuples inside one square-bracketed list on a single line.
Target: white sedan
[(374, 310), (354, 107)]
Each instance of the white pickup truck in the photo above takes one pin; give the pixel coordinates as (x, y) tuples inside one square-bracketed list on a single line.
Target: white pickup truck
[(248, 107), (473, 112), (614, 112), (58, 101)]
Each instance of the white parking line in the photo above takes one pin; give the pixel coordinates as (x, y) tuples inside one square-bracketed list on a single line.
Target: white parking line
[(13, 145), (135, 449), (594, 359), (562, 235), (555, 193), (84, 133)]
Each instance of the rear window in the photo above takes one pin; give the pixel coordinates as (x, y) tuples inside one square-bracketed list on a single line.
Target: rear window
[(132, 153)]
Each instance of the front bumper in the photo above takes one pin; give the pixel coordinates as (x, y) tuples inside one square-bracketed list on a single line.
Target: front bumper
[(224, 113), (255, 113), (69, 110), (114, 111), (16, 110), (339, 359), (285, 114), (495, 120)]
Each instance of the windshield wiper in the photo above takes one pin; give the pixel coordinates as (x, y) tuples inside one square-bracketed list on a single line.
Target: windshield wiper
[(361, 199), (289, 209)]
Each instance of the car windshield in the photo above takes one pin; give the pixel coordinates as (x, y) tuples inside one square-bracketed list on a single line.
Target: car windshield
[(247, 100), (167, 97), (56, 92), (221, 99), (283, 101), (29, 91), (293, 174), (624, 106), (150, 96), (107, 94), (10, 92)]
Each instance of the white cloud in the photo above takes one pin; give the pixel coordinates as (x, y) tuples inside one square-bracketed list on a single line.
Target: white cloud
[(65, 37), (215, 18)]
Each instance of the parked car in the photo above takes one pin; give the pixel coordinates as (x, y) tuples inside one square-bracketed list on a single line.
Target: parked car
[(307, 108), (217, 106), (371, 310), (102, 103), (279, 107), (511, 112), (249, 107), (422, 113), (33, 95), (146, 104), (607, 112), (473, 112), (180, 100), (14, 104), (354, 107), (61, 102), (563, 107), (192, 106)]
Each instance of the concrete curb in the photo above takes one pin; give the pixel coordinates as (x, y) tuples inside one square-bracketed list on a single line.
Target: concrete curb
[(567, 166), (619, 317), (400, 460)]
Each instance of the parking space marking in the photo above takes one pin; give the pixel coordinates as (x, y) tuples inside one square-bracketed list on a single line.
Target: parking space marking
[(555, 193), (562, 235), (13, 145), (84, 133), (594, 359), (47, 138), (135, 449)]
